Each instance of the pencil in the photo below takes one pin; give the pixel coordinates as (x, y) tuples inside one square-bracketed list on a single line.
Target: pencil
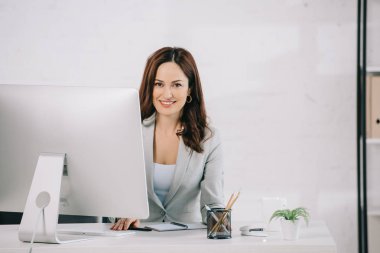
[(230, 203)]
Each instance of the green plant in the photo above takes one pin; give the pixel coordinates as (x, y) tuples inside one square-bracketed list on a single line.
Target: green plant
[(291, 215)]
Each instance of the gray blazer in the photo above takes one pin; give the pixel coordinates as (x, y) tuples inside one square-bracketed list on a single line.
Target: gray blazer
[(195, 174)]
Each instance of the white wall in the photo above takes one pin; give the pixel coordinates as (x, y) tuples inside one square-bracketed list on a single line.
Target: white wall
[(279, 79)]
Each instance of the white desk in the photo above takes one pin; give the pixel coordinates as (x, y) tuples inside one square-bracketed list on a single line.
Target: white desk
[(314, 239)]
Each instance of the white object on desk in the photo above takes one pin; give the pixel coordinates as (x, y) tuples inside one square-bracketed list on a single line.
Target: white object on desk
[(100, 131), (253, 231), (96, 232)]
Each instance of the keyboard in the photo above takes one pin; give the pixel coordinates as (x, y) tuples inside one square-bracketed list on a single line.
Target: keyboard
[(94, 232), (66, 238)]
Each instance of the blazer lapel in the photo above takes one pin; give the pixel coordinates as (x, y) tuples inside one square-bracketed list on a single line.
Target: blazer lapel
[(182, 163), (148, 147)]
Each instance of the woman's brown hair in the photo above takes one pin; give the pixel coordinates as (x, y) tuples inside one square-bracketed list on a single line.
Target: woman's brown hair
[(193, 116)]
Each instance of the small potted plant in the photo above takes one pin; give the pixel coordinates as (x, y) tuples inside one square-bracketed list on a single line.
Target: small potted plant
[(290, 221)]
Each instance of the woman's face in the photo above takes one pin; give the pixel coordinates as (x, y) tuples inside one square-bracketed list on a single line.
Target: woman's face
[(171, 88)]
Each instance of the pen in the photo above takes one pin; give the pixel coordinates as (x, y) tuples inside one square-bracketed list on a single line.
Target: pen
[(140, 229), (179, 224)]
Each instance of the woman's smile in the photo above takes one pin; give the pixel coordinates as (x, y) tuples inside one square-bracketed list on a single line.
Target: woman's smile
[(166, 103)]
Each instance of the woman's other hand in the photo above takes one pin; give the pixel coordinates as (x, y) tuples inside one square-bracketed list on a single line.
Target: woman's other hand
[(125, 223)]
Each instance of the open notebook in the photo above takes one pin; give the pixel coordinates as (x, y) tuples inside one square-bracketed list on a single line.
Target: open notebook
[(173, 226)]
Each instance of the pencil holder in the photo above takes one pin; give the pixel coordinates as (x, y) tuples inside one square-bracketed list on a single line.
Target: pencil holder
[(219, 223)]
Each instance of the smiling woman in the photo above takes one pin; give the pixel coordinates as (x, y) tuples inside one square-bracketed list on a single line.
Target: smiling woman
[(176, 69), (183, 156)]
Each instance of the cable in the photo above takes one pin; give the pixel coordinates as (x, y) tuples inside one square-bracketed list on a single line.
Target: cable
[(35, 228), (42, 201)]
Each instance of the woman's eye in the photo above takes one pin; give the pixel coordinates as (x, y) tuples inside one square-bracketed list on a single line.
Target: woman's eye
[(158, 84), (178, 85)]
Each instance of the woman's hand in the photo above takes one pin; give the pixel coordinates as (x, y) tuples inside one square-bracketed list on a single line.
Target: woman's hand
[(125, 223)]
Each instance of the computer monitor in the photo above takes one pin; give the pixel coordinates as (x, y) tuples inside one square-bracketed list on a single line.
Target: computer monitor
[(95, 132)]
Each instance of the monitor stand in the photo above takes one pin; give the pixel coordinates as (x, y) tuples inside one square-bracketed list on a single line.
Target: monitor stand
[(40, 218)]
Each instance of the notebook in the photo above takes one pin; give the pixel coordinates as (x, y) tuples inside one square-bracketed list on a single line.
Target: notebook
[(174, 226)]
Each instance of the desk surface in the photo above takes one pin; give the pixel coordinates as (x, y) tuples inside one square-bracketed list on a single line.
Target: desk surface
[(313, 239)]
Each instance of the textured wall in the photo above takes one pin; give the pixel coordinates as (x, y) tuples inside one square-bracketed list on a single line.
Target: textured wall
[(279, 79)]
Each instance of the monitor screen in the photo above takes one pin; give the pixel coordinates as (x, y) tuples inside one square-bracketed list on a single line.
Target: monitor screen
[(99, 131)]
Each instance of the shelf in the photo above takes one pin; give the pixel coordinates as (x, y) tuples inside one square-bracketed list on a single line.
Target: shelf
[(373, 70), (373, 141), (374, 213)]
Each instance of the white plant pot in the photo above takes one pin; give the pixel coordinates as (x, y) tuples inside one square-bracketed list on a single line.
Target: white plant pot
[(290, 230)]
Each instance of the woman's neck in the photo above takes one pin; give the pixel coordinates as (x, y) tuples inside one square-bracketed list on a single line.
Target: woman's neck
[(167, 124)]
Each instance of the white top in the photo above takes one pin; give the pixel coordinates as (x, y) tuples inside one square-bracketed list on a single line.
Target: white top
[(162, 179)]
